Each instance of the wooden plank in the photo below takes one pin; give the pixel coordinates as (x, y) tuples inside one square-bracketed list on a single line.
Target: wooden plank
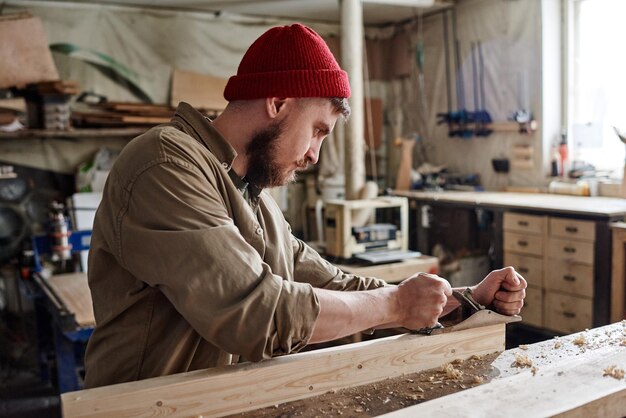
[(243, 387), (199, 90), (73, 291), (570, 388), (618, 273), (74, 133)]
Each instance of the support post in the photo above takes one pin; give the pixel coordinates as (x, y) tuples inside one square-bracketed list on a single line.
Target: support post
[(352, 61)]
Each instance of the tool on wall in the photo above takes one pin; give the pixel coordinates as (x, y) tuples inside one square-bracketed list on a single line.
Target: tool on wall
[(482, 118), (458, 121)]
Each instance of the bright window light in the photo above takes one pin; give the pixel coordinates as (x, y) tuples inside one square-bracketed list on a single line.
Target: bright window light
[(598, 87)]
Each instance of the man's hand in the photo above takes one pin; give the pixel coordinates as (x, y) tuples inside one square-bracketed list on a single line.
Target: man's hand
[(421, 299), (503, 290)]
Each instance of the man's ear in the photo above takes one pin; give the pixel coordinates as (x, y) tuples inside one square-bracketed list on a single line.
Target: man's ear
[(274, 106)]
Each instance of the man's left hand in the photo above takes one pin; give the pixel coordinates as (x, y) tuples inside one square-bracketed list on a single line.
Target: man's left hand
[(502, 290)]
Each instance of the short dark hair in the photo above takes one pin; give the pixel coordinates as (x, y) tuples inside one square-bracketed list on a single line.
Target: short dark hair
[(342, 106)]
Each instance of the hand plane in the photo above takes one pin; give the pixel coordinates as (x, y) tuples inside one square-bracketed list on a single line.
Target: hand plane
[(473, 315)]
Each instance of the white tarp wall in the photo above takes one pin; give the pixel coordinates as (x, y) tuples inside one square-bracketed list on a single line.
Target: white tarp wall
[(153, 43)]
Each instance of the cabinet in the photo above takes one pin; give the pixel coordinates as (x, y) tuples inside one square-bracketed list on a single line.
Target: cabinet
[(556, 256)]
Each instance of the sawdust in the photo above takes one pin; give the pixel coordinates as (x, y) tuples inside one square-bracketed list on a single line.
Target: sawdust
[(522, 361), (451, 372), (614, 372), (388, 395), (580, 341)]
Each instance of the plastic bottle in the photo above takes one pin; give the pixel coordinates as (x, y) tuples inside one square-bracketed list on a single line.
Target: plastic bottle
[(554, 162), (563, 153)]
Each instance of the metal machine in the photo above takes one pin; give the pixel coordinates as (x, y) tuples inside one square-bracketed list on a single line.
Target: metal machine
[(373, 242)]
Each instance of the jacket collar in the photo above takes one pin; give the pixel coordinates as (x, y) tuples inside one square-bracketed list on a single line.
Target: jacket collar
[(198, 126)]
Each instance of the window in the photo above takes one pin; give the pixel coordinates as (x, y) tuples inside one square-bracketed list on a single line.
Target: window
[(597, 82)]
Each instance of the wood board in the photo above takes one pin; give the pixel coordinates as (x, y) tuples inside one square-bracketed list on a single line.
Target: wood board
[(576, 387), (73, 291), (199, 90), (228, 390)]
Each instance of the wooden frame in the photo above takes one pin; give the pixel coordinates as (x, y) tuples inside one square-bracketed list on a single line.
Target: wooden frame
[(248, 386)]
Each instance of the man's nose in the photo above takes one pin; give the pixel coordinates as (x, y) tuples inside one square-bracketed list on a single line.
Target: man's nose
[(313, 153)]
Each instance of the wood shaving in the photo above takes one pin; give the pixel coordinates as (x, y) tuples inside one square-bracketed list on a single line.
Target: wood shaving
[(557, 345), (614, 372), (533, 370), (580, 341), (451, 372), (522, 361), (523, 347), (478, 379), (623, 342)]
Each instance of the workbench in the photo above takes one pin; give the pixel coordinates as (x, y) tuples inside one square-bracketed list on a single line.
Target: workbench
[(575, 375), (531, 229), (68, 300)]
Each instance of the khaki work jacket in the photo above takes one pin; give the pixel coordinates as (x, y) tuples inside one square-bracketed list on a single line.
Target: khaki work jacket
[(185, 273)]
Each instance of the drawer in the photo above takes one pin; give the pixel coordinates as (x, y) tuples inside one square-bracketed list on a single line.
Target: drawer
[(523, 243), (570, 250), (566, 313), (532, 312), (528, 224), (573, 229), (528, 266), (569, 277)]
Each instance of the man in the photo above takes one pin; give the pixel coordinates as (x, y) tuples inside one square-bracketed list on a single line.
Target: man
[(192, 265)]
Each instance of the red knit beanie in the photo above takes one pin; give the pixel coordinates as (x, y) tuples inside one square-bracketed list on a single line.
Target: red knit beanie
[(288, 61)]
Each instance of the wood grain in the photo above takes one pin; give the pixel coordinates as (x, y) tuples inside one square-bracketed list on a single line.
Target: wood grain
[(73, 291), (228, 390), (575, 387)]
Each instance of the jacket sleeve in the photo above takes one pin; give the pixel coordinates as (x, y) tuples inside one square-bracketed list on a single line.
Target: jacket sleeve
[(310, 267), (214, 278)]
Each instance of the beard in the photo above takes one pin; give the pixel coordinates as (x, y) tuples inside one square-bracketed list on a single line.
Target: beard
[(263, 169)]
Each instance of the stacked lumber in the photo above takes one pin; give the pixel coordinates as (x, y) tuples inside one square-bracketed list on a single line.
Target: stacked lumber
[(124, 114)]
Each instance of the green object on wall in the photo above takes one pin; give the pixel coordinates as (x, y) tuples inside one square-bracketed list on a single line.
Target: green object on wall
[(107, 65)]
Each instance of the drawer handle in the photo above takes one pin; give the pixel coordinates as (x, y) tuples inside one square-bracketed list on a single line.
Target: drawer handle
[(571, 229), (522, 243), (569, 278), (523, 270), (522, 223), (569, 314), (570, 250)]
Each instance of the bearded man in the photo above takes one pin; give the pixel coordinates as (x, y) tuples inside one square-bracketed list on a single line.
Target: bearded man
[(192, 265)]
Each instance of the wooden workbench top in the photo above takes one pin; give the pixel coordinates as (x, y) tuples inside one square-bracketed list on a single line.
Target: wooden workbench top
[(73, 291), (580, 205)]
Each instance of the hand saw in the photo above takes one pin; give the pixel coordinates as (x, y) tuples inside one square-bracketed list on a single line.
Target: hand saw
[(473, 315)]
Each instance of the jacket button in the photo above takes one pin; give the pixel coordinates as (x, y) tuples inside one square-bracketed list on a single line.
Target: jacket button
[(224, 165), (259, 231)]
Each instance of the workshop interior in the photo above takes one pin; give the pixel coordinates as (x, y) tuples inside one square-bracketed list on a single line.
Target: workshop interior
[(483, 134)]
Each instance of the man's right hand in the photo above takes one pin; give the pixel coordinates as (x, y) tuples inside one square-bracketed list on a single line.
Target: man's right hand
[(421, 300)]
